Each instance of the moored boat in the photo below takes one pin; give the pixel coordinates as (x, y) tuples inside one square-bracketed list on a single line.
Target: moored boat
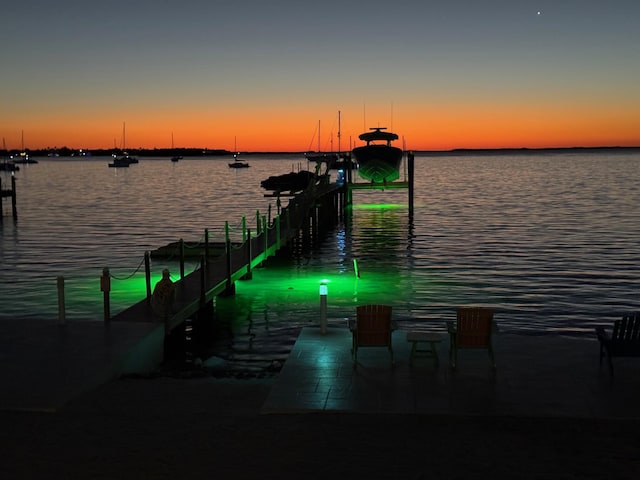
[(237, 163), (378, 161)]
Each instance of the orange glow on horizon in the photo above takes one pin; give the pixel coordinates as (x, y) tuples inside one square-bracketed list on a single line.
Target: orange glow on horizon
[(441, 127)]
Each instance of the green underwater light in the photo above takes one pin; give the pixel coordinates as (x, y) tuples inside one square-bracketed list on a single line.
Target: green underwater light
[(379, 206)]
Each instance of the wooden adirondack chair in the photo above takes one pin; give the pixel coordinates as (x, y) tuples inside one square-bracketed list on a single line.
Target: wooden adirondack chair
[(372, 328), (473, 328), (624, 340)]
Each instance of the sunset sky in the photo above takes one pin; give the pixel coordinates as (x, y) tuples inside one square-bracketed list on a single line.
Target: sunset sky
[(442, 74)]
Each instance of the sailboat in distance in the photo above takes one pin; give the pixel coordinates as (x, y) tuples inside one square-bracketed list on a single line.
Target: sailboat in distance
[(125, 159), (319, 155), (237, 163), (175, 158)]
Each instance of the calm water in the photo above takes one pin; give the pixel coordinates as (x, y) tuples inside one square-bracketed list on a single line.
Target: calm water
[(550, 240)]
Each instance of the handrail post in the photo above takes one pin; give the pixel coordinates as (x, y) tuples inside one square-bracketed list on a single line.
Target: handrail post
[(277, 223), (105, 286), (265, 233), (147, 273), (244, 229), (61, 305), (258, 223), (249, 254), (228, 259)]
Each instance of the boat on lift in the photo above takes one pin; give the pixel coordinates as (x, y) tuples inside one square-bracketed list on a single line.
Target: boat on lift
[(378, 160)]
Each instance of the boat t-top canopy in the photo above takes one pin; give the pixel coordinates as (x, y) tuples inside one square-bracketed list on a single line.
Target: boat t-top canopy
[(378, 134)]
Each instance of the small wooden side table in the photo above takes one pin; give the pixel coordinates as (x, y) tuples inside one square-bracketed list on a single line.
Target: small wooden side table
[(429, 350)]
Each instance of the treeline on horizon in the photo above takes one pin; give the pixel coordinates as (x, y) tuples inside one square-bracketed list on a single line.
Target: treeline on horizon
[(201, 152)]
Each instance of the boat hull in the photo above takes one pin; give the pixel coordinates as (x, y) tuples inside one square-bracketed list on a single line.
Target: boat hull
[(378, 163)]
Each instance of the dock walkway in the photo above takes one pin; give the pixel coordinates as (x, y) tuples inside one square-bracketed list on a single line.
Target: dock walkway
[(218, 273)]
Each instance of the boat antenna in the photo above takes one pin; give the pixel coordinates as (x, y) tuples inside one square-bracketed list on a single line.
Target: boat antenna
[(364, 117)]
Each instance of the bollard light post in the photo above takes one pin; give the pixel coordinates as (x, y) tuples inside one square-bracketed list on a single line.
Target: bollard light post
[(324, 290)]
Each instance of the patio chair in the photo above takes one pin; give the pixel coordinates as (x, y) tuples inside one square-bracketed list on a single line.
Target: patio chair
[(623, 341), (373, 328), (473, 328)]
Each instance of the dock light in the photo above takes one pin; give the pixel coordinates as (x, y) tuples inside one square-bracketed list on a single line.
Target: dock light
[(324, 291)]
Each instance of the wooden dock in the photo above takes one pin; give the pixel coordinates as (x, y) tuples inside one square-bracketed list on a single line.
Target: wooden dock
[(219, 270), (321, 204)]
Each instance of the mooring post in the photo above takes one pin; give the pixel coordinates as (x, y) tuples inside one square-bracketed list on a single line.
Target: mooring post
[(105, 286), (181, 247), (61, 310), (411, 168), (14, 206), (147, 273)]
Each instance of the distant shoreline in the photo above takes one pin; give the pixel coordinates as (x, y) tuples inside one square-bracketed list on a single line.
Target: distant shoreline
[(205, 152)]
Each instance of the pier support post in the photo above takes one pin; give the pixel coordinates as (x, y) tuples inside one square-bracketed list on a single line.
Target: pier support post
[(206, 246), (411, 168), (61, 305), (105, 286), (181, 246), (203, 281), (147, 273), (14, 206)]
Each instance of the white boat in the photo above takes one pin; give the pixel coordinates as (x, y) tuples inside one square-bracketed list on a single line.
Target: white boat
[(378, 161)]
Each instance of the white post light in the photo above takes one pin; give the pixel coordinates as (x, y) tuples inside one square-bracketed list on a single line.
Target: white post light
[(324, 290)]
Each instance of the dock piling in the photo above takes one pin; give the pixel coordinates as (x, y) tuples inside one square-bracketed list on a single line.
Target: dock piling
[(147, 273), (105, 286), (61, 304)]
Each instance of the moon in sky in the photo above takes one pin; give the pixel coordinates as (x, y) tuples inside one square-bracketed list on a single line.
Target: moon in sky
[(539, 12)]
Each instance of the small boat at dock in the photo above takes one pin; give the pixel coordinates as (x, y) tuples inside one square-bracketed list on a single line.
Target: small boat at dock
[(378, 161)]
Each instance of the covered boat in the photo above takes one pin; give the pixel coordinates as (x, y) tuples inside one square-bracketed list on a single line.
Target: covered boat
[(378, 160)]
